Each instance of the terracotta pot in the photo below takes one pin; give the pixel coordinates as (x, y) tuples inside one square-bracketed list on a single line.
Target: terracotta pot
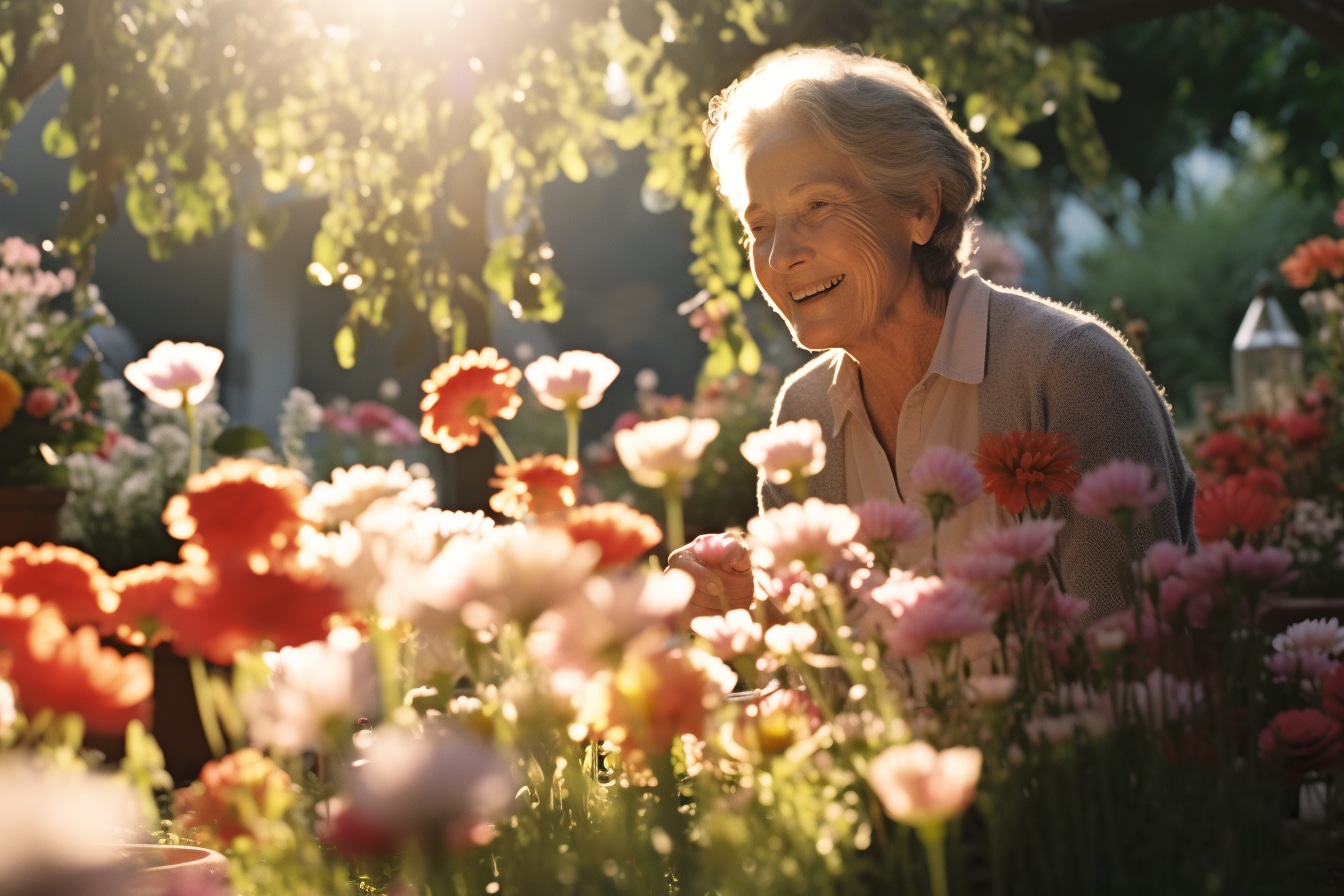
[(30, 513), (163, 869)]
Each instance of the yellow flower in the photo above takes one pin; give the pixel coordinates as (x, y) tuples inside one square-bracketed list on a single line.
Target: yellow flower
[(11, 398)]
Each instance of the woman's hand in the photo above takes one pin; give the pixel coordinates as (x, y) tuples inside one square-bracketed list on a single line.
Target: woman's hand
[(721, 566)]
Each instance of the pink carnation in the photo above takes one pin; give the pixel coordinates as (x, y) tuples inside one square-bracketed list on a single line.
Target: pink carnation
[(814, 533), (888, 521), (787, 451), (1122, 491), (945, 480), (1262, 568), (1028, 542), (930, 612), (1305, 665), (1326, 635)]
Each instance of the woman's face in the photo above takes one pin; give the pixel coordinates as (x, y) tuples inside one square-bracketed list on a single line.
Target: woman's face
[(833, 258)]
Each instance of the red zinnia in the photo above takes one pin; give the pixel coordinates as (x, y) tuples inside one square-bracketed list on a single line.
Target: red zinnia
[(537, 484), (1233, 510), (71, 672), (465, 391), (623, 533), (1022, 469), (146, 594), (240, 508), (236, 607), (60, 575)]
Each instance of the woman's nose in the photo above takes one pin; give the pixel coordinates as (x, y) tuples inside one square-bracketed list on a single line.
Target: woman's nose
[(788, 246)]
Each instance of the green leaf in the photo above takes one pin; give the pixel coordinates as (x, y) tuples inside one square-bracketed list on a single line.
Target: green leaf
[(345, 345), (572, 162), (58, 141), (238, 440)]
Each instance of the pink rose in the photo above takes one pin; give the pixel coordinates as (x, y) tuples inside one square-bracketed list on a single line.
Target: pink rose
[(41, 402), (1303, 740)]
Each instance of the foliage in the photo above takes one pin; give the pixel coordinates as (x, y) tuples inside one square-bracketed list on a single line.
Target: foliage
[(430, 128), (1190, 269)]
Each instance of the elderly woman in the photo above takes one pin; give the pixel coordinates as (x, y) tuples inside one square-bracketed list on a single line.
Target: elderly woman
[(855, 189)]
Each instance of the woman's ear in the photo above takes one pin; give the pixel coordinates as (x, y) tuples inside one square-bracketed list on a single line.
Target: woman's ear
[(926, 222)]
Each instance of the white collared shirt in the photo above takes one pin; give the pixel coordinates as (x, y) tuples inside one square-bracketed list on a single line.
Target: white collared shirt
[(942, 409)]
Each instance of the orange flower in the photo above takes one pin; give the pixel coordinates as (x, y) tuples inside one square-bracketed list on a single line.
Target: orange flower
[(236, 607), (241, 507), (59, 575), (146, 594), (1022, 469), (464, 391), (54, 668), (537, 484), (11, 397), (231, 796), (1234, 510), (623, 533), (1321, 253)]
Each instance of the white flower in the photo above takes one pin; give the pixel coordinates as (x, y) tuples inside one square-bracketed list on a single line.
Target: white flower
[(1325, 635), (786, 451), (59, 829), (311, 686), (814, 533), (408, 781), (115, 401), (351, 492), (576, 380), (789, 637), (920, 785), (659, 452), (174, 371), (730, 635)]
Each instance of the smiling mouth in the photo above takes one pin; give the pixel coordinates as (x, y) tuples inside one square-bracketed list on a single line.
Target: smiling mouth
[(817, 290)]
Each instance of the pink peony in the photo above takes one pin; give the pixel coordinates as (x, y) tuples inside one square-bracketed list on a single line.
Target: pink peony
[(919, 785), (787, 451), (1122, 491), (945, 480)]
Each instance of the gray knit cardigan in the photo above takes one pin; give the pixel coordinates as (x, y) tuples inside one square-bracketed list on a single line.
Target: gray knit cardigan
[(1056, 369)]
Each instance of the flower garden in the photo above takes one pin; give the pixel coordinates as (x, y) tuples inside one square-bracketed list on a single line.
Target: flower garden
[(399, 697)]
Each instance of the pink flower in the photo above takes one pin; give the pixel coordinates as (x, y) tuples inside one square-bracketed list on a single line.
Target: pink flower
[(787, 451), (1305, 665), (716, 550), (1122, 491), (1028, 542), (1263, 569), (576, 380), (981, 570), (730, 635), (813, 533), (658, 453), (174, 372), (888, 522), (40, 402), (1325, 635), (790, 637), (1163, 559), (945, 480), (930, 612), (919, 785)]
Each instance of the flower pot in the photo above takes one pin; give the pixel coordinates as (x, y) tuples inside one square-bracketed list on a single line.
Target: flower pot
[(165, 869), (30, 513)]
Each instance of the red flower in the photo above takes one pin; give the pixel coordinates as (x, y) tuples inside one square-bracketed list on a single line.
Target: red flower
[(1321, 253), (1303, 740), (233, 607), (623, 533), (146, 594), (1304, 429), (59, 575), (1022, 469), (1225, 452), (1332, 693), (239, 508), (70, 672), (465, 391), (1232, 510), (537, 484)]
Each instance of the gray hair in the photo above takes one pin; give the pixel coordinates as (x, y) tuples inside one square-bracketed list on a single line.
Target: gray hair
[(893, 126)]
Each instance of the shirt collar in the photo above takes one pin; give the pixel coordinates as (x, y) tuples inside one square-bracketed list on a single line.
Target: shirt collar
[(959, 355)]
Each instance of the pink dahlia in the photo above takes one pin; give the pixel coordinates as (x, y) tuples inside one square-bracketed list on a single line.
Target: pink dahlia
[(1122, 491)]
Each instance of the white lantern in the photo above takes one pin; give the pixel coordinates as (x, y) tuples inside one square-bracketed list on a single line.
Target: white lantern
[(1266, 358)]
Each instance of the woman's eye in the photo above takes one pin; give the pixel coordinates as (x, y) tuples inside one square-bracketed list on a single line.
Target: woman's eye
[(819, 203)]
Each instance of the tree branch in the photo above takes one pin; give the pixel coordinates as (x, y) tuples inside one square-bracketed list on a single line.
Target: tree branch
[(1061, 23)]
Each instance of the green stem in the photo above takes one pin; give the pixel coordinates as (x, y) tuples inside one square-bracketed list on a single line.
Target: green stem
[(387, 660), (500, 445), (932, 836), (205, 705), (572, 430), (193, 436), (676, 527)]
